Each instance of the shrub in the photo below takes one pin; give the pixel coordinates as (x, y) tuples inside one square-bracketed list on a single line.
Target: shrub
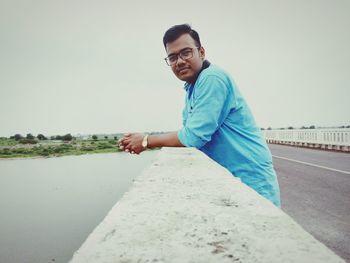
[(44, 152), (28, 141), (20, 150), (5, 151), (87, 148), (104, 146)]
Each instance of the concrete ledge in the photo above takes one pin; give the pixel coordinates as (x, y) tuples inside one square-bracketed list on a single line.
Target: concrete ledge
[(186, 208), (329, 147)]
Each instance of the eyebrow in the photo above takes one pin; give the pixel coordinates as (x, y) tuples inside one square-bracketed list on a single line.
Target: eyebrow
[(172, 54)]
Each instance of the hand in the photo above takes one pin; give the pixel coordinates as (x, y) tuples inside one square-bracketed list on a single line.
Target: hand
[(132, 143)]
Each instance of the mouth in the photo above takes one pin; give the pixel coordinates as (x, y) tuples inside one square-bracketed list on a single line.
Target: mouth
[(182, 71)]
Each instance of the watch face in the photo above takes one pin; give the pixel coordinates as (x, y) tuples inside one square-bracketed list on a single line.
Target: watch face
[(144, 142)]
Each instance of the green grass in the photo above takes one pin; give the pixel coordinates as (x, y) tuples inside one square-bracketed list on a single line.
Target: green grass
[(7, 142), (13, 149)]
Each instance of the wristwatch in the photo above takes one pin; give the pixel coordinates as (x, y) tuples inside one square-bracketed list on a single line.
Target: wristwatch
[(145, 141)]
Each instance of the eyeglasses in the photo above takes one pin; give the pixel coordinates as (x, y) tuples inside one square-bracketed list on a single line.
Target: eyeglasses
[(184, 55)]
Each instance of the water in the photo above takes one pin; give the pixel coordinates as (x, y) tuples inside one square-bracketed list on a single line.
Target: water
[(48, 207)]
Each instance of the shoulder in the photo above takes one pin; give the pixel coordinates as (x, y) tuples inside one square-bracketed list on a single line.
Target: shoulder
[(214, 75), (214, 70)]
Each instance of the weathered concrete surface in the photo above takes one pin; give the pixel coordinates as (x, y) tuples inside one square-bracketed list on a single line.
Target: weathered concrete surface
[(187, 208)]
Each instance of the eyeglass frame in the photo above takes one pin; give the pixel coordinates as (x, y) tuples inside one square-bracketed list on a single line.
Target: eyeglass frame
[(179, 55)]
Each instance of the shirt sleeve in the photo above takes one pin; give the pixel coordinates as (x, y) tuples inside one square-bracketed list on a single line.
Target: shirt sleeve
[(210, 108)]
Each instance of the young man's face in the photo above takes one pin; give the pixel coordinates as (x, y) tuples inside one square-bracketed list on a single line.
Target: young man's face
[(186, 69)]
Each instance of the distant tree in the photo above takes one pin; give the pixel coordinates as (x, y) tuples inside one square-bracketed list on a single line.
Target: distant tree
[(41, 137), (348, 126), (281, 128), (312, 127), (290, 128), (303, 127), (262, 129), (67, 137), (17, 137), (52, 137), (94, 137), (115, 137), (106, 137), (30, 136), (58, 137), (269, 128)]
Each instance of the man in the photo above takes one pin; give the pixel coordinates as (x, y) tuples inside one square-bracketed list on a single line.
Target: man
[(216, 118)]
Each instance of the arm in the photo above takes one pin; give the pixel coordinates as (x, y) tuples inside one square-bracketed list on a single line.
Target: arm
[(132, 142), (208, 114), (211, 106), (169, 139)]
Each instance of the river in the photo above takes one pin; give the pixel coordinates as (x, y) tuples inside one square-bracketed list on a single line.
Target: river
[(48, 207)]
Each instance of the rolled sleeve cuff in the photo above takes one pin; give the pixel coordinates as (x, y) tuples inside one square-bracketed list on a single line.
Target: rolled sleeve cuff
[(189, 139)]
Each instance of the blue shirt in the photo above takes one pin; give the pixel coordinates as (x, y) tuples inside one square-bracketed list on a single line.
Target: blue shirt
[(218, 121)]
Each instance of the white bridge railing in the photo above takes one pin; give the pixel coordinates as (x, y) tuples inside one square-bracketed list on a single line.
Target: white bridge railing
[(335, 139)]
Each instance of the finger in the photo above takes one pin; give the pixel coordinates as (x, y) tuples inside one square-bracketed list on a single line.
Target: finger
[(124, 142), (122, 139), (128, 148)]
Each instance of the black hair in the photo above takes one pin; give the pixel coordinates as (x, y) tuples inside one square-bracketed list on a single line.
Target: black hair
[(176, 31)]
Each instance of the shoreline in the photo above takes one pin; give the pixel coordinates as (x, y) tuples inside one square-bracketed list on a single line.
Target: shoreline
[(23, 158), (48, 157)]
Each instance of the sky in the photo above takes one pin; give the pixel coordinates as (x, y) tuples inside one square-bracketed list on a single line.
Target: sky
[(98, 66)]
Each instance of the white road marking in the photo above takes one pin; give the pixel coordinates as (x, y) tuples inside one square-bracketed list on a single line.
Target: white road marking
[(311, 164)]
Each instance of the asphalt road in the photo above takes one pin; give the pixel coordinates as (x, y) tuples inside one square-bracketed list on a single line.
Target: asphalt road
[(315, 192)]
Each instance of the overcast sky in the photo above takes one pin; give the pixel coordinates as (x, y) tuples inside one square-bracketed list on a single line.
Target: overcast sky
[(97, 66)]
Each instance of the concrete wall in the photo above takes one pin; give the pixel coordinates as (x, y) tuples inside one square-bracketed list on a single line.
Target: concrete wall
[(187, 208)]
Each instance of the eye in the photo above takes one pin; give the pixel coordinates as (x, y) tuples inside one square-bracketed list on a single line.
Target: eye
[(186, 53), (172, 58)]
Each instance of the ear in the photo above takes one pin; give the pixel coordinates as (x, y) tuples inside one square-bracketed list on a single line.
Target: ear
[(202, 53)]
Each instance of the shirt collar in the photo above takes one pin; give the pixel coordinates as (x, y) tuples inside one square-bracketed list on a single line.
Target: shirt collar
[(205, 65)]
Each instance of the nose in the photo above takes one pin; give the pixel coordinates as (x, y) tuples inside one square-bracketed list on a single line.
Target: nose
[(179, 61)]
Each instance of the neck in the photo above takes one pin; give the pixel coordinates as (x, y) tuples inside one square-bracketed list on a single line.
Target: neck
[(205, 65)]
